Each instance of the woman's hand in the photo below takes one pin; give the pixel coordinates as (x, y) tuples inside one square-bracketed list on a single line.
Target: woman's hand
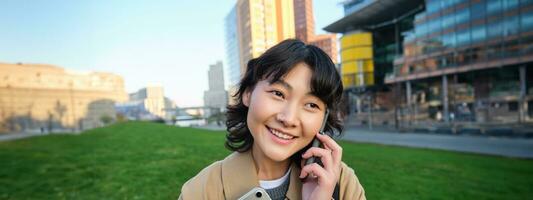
[(320, 182)]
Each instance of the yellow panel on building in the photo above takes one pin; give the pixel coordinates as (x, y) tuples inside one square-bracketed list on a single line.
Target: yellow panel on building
[(349, 67), (354, 53), (348, 79), (369, 79), (368, 66), (356, 39), (357, 64)]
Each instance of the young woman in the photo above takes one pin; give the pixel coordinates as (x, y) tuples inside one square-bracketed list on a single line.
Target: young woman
[(280, 105)]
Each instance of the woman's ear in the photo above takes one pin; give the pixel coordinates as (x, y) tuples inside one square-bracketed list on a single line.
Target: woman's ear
[(246, 97)]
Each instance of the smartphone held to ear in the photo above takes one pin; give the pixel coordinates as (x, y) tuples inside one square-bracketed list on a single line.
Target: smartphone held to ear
[(316, 141)]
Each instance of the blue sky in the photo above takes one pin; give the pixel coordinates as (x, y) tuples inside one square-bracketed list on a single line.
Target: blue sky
[(171, 43)]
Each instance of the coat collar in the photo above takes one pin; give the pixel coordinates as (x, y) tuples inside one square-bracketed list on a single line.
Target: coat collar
[(239, 176)]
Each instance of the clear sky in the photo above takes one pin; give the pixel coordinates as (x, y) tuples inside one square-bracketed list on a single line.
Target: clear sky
[(170, 43)]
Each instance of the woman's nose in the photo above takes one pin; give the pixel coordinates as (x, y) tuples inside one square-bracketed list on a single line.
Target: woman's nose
[(288, 116)]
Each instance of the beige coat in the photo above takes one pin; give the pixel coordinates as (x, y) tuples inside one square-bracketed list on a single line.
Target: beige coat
[(236, 174)]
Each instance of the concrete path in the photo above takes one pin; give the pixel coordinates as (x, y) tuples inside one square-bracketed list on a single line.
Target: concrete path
[(508, 147), (14, 136)]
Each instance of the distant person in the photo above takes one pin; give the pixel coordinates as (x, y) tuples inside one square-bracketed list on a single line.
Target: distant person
[(280, 105)]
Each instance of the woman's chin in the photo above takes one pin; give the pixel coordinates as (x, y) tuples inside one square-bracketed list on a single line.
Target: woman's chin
[(278, 156)]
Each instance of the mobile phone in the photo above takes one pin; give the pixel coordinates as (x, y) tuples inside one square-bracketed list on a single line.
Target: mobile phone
[(316, 142), (256, 193)]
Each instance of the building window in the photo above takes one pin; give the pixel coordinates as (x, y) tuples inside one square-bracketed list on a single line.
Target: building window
[(510, 4), (494, 29), (434, 25), (526, 21), (463, 37), (421, 29), (478, 33), (448, 21), (462, 16), (526, 2), (448, 40), (494, 6), (511, 25), (433, 6), (478, 10), (513, 106)]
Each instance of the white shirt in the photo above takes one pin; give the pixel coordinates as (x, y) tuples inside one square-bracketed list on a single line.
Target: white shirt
[(274, 183)]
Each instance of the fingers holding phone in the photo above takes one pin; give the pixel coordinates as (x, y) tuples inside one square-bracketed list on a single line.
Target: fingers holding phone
[(335, 152), (320, 180), (330, 156)]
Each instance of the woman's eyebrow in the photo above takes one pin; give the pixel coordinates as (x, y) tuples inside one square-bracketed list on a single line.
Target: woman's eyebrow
[(284, 84), (289, 87)]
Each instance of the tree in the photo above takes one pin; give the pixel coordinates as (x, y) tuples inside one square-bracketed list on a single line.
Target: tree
[(106, 119), (60, 110), (121, 117)]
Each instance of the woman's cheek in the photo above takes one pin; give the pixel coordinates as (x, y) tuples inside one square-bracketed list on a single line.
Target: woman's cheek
[(311, 127)]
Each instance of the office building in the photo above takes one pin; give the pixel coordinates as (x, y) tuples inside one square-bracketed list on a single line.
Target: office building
[(305, 29), (233, 65), (260, 24), (216, 96), (152, 100), (417, 63)]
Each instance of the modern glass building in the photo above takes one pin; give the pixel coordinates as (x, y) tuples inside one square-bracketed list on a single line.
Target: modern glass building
[(440, 62), (233, 65)]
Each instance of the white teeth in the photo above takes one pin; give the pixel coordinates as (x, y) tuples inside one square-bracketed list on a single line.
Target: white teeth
[(280, 135)]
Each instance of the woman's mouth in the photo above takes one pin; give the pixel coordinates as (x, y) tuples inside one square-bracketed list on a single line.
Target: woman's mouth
[(280, 134)]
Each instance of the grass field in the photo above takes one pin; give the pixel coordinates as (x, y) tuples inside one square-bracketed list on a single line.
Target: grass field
[(138, 160)]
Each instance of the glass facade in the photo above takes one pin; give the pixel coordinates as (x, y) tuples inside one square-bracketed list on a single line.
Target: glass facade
[(442, 61), (233, 67), (476, 31), (355, 5), (478, 46)]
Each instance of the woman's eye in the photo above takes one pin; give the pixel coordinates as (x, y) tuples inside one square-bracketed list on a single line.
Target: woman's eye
[(313, 105), (277, 93)]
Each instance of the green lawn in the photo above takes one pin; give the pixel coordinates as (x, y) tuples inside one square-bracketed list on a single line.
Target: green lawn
[(151, 161)]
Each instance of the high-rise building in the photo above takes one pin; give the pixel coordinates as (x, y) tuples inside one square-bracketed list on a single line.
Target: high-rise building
[(261, 24), (147, 103), (305, 29), (253, 26), (46, 97), (304, 20), (438, 62), (328, 43), (216, 96), (233, 65), (152, 99)]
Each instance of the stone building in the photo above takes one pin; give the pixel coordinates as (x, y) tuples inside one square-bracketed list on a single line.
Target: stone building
[(37, 97)]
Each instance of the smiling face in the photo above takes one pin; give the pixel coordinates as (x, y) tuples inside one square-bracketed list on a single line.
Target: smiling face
[(284, 116)]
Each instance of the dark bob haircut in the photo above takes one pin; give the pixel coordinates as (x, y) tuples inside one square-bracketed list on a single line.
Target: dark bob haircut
[(273, 65)]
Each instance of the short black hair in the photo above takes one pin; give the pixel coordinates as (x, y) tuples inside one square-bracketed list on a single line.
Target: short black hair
[(273, 65)]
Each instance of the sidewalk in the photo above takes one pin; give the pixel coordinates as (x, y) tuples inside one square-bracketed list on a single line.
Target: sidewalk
[(211, 127), (14, 136), (508, 147), (478, 129)]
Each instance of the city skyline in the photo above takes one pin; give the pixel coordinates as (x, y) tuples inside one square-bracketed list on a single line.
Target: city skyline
[(164, 43)]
